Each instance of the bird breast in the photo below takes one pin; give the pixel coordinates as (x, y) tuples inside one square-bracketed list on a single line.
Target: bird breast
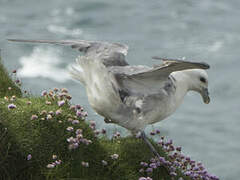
[(100, 88)]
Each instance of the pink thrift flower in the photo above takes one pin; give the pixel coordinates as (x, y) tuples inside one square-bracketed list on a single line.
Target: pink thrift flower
[(13, 98), (118, 134), (78, 106), (51, 113), (54, 156), (48, 102), (96, 132), (12, 106), (114, 156), (72, 107), (17, 81), (148, 178), (49, 116), (29, 157), (104, 131), (50, 166), (75, 122), (79, 136), (78, 113), (44, 93), (152, 133), (64, 90), (70, 128), (29, 102), (92, 123), (79, 131), (58, 112), (69, 97), (34, 116), (142, 178), (71, 140), (70, 119), (58, 162), (44, 112), (85, 164), (61, 103), (85, 114), (56, 89), (104, 163)]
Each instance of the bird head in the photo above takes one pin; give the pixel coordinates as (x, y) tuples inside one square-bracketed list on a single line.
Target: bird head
[(198, 79)]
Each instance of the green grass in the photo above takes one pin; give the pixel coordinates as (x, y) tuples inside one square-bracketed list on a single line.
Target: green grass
[(20, 136), (43, 138), (6, 82)]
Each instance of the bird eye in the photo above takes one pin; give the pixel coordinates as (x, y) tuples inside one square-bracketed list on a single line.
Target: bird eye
[(202, 79)]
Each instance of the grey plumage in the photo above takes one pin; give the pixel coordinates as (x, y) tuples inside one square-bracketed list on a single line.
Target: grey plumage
[(131, 96)]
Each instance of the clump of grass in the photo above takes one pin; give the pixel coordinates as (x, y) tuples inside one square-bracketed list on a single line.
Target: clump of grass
[(7, 86)]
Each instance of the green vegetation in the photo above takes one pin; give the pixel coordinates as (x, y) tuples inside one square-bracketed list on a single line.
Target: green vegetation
[(37, 129), (6, 83)]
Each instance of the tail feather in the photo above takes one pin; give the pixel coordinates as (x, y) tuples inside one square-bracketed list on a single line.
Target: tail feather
[(76, 71)]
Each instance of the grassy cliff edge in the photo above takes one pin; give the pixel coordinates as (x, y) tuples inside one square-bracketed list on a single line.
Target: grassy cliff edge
[(47, 137)]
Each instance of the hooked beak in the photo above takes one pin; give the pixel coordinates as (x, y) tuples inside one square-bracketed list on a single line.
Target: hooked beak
[(205, 96)]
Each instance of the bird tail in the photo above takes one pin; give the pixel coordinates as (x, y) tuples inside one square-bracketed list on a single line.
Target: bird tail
[(76, 70)]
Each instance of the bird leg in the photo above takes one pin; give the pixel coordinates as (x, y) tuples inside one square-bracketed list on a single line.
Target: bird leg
[(106, 120), (154, 151)]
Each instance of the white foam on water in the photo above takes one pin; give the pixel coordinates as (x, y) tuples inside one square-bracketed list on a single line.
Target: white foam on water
[(44, 63), (65, 31)]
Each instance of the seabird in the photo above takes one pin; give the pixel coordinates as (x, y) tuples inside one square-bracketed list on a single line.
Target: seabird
[(132, 96)]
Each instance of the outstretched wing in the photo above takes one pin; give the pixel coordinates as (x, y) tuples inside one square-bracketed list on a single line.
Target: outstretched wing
[(111, 54), (151, 80)]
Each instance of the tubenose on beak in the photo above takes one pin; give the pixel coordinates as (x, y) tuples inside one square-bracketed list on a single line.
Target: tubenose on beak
[(205, 96)]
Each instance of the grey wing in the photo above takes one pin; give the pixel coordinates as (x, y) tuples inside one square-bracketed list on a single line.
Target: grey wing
[(111, 54), (162, 71), (152, 80)]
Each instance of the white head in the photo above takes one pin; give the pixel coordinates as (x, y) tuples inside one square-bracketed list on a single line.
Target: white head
[(194, 80), (198, 81)]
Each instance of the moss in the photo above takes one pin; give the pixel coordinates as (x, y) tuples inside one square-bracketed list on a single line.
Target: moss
[(6, 82), (21, 135)]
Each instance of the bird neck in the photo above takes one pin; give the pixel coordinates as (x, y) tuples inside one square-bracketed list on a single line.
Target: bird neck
[(181, 81)]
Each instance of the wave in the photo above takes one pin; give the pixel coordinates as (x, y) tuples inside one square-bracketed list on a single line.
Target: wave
[(44, 63)]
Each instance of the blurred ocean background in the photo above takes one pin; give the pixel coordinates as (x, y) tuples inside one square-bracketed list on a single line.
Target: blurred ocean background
[(203, 30)]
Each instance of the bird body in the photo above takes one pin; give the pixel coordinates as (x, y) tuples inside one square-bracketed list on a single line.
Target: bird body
[(137, 107), (132, 96)]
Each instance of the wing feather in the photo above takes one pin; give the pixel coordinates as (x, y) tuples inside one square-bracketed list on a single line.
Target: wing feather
[(162, 71), (111, 54), (152, 80)]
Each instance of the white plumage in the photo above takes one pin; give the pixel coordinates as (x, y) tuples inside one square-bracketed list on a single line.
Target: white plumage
[(132, 96)]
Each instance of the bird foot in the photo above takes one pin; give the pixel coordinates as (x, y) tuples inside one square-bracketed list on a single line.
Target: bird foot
[(107, 121)]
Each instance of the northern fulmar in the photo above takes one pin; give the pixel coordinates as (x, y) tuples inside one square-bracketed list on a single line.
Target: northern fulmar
[(132, 96)]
